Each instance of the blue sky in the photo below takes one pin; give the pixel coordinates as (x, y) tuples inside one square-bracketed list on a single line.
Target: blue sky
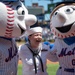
[(41, 3)]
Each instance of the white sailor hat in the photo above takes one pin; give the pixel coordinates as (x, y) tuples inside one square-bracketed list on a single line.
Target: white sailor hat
[(33, 30)]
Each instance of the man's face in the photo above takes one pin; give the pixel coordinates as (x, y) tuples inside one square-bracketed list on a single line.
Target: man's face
[(35, 38)]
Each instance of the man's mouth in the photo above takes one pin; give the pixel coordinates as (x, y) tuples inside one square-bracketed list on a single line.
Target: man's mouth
[(65, 29), (38, 40)]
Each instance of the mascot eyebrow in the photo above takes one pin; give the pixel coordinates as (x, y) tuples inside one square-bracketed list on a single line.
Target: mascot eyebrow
[(18, 7), (73, 8)]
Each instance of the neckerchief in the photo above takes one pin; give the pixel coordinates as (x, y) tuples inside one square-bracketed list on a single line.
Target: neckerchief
[(35, 54)]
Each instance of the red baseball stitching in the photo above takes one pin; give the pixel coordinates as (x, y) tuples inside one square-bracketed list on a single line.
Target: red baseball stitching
[(10, 21), (10, 16), (9, 24)]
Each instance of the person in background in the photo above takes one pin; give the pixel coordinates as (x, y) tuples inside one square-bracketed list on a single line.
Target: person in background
[(34, 53), (26, 39)]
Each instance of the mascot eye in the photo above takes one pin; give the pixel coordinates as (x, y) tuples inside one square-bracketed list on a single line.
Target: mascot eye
[(69, 10), (55, 13), (20, 11)]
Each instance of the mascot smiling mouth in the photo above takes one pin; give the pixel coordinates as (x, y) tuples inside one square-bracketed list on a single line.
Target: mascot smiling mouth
[(22, 31), (65, 29)]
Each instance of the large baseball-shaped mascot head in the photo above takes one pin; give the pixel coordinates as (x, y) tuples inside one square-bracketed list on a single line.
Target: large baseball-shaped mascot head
[(14, 19), (62, 20)]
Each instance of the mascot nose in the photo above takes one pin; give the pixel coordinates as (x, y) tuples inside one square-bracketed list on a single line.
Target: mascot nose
[(62, 17), (30, 20)]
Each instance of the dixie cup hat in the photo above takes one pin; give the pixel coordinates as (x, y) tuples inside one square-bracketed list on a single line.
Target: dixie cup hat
[(33, 30)]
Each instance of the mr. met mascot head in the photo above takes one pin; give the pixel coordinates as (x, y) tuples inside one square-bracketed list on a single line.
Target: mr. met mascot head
[(63, 21), (14, 18)]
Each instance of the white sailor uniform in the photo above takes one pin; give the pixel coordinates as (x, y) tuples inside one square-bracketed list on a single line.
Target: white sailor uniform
[(27, 59)]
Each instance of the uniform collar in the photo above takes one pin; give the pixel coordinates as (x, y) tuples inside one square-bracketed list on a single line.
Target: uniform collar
[(69, 40), (6, 38)]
